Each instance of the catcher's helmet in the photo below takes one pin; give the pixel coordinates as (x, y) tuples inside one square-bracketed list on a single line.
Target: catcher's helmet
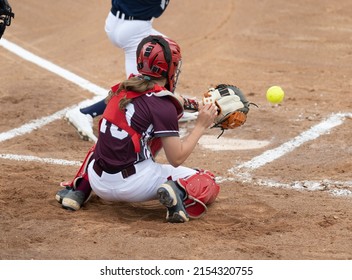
[(5, 16), (158, 57)]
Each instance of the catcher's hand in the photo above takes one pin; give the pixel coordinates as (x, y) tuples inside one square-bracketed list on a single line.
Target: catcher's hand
[(232, 106), (5, 16)]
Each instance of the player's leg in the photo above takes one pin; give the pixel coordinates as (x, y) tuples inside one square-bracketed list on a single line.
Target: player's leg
[(187, 192), (95, 109), (82, 118), (78, 191), (184, 192), (112, 27), (79, 195), (83, 122)]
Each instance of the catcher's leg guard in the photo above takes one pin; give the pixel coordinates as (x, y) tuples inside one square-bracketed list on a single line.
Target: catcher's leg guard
[(201, 190), (76, 184)]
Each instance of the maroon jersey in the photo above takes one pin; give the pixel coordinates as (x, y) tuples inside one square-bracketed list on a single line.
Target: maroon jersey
[(150, 116)]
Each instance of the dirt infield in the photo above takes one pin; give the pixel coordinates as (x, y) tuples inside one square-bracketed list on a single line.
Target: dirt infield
[(290, 199)]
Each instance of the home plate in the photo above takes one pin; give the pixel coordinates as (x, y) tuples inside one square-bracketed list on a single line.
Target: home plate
[(224, 143)]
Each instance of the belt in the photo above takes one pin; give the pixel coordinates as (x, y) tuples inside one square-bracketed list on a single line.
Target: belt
[(122, 15), (127, 172)]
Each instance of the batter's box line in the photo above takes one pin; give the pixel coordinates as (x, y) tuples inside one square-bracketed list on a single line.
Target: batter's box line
[(25, 158), (39, 123), (242, 172), (334, 188), (51, 67), (98, 91), (313, 133)]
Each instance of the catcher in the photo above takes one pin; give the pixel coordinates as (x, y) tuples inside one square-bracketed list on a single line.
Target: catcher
[(141, 118), (5, 16)]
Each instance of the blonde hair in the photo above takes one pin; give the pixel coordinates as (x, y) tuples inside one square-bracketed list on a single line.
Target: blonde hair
[(135, 84)]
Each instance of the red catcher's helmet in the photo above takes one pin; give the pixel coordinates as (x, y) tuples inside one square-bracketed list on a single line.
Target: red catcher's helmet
[(158, 56)]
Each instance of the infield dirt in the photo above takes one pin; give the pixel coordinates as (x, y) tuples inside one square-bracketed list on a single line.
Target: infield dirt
[(303, 46)]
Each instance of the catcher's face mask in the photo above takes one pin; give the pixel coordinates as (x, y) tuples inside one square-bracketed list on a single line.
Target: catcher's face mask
[(177, 73), (2, 28), (159, 57)]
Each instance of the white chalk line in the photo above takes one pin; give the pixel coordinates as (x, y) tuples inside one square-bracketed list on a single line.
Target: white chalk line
[(51, 67), (266, 157), (39, 123), (336, 188), (29, 127), (308, 135), (40, 160), (43, 63)]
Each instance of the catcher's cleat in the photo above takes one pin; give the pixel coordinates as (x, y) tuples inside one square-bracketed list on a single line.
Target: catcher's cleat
[(61, 194), (172, 198), (74, 200), (188, 116), (83, 123)]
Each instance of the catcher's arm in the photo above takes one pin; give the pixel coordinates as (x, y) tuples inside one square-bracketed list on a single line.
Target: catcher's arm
[(177, 150)]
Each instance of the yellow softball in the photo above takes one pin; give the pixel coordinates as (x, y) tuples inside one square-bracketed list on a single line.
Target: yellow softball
[(275, 94)]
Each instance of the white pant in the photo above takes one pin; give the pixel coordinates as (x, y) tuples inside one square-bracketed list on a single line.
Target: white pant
[(127, 34), (139, 187)]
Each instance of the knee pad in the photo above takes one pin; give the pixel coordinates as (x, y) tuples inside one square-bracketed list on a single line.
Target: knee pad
[(201, 190)]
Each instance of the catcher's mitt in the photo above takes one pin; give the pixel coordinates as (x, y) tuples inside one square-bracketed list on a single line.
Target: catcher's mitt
[(5, 16), (232, 106)]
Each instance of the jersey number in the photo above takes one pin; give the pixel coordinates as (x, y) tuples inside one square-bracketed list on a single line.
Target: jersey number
[(115, 131)]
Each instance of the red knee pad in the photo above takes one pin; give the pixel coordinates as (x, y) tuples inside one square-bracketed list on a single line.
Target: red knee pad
[(201, 190)]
